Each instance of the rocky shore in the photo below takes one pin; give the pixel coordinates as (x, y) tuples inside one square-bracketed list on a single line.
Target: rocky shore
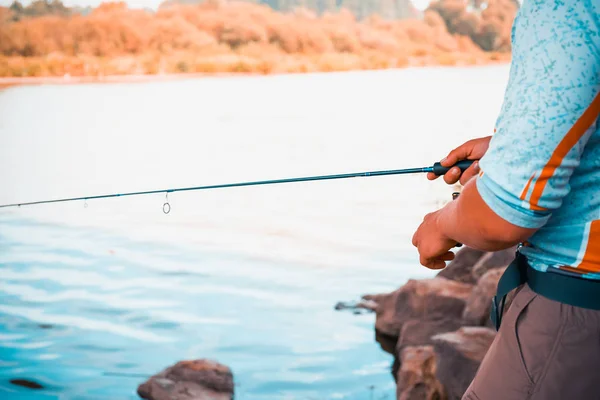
[(439, 329), (190, 380)]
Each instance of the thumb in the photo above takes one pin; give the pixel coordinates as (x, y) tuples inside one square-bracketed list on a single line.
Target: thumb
[(469, 173)]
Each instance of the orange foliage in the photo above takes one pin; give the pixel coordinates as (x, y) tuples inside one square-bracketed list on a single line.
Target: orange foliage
[(487, 23), (229, 36), (5, 14), (111, 8)]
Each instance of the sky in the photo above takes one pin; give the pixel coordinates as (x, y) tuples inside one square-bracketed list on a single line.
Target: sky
[(421, 4)]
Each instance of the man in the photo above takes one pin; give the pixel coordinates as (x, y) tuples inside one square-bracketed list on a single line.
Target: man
[(538, 184)]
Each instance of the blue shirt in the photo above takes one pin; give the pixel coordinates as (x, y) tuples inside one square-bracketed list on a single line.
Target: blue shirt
[(542, 169)]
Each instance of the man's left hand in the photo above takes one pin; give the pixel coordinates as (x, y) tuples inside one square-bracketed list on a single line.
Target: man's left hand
[(433, 246)]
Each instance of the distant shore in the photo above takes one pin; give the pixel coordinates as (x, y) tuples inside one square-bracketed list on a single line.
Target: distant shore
[(65, 80), (113, 43), (6, 82)]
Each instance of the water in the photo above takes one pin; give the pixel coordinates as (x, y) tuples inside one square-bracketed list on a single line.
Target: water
[(247, 276)]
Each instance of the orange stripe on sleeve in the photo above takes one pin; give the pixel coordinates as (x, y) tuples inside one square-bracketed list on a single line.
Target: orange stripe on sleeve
[(591, 258), (526, 190), (537, 208), (567, 143)]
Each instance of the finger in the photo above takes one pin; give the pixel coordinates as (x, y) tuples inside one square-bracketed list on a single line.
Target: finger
[(452, 176), (460, 153), (469, 173), (437, 264), (449, 256), (431, 176), (433, 263), (415, 239)]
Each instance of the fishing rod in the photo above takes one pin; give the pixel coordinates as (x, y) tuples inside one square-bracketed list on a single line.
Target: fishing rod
[(437, 169)]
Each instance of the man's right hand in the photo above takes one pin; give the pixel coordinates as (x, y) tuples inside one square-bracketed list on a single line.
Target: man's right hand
[(472, 150)]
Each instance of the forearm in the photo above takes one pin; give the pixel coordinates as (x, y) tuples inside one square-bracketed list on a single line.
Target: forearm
[(471, 221)]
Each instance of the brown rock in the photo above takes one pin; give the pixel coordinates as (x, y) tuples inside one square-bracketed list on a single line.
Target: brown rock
[(386, 342), (460, 268), (363, 304), (436, 355), (426, 299), (459, 354), (417, 332), (28, 383), (190, 380), (491, 260), (417, 378), (477, 310)]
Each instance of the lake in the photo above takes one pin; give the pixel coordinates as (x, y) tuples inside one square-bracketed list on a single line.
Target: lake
[(96, 296)]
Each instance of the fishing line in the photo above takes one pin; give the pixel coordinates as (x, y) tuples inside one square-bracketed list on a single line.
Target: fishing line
[(437, 169)]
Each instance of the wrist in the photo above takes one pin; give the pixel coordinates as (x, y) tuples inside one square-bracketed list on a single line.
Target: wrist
[(444, 221)]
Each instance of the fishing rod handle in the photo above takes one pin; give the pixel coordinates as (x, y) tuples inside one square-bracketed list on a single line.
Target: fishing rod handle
[(438, 169)]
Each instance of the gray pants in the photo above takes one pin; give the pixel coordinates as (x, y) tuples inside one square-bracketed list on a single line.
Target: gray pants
[(544, 350)]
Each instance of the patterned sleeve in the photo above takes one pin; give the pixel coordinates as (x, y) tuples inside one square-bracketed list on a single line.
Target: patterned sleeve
[(550, 110)]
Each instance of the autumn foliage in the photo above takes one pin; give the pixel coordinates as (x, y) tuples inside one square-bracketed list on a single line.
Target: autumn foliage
[(231, 36), (487, 23)]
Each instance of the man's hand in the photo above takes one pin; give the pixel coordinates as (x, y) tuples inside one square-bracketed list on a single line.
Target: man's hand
[(432, 244), (471, 150)]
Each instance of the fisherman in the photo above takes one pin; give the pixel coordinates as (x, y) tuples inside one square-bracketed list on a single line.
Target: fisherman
[(537, 185)]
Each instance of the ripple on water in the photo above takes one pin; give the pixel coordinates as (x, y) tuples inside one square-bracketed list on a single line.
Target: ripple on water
[(93, 348), (83, 323), (106, 311), (162, 325)]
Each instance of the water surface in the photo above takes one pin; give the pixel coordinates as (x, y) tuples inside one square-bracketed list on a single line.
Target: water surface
[(93, 299)]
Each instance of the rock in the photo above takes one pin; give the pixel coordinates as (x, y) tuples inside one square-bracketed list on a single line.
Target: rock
[(460, 268), (28, 383), (361, 305), (417, 332), (439, 329), (190, 380), (458, 355), (471, 341), (419, 299), (388, 344), (491, 260), (417, 377), (445, 369), (477, 310)]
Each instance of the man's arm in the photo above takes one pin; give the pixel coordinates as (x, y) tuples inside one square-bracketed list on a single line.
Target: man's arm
[(467, 220), (470, 220), (550, 111), (497, 233)]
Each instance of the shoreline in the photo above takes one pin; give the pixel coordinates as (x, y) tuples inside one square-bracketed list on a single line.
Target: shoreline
[(6, 82), (74, 80)]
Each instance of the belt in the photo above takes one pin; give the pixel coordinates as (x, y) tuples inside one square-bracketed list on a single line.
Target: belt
[(555, 284)]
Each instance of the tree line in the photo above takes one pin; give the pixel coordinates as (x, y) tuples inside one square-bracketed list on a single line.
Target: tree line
[(48, 38)]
